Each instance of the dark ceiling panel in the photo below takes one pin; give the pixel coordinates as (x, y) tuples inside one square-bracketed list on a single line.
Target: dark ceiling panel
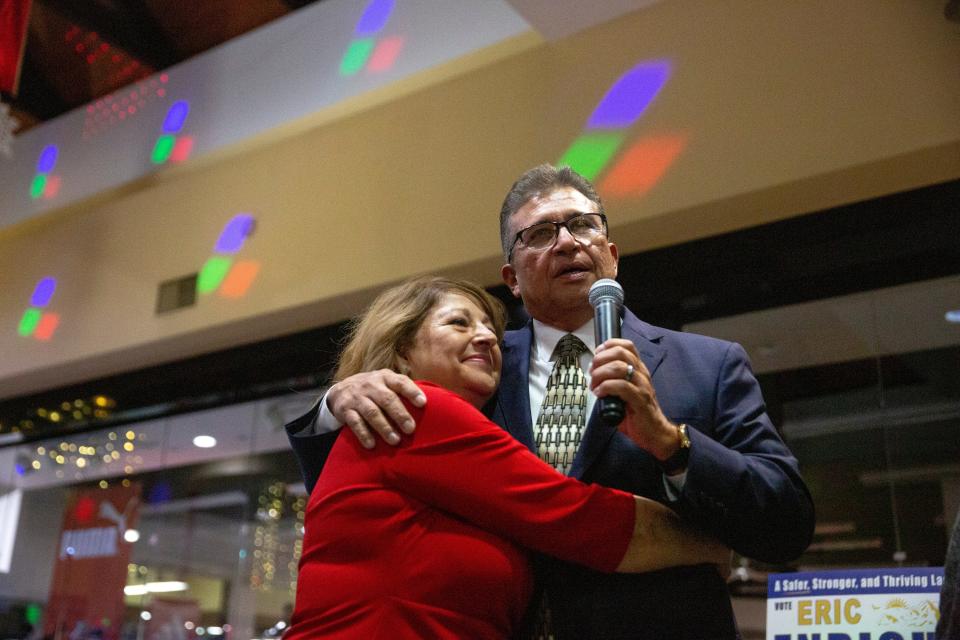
[(197, 25), (129, 25), (79, 51)]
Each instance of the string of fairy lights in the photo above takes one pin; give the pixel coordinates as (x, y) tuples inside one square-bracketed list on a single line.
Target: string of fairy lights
[(76, 414), (90, 452), (274, 504), (113, 450)]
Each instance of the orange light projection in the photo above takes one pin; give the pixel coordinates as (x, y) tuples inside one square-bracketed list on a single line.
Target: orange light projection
[(239, 279), (642, 165)]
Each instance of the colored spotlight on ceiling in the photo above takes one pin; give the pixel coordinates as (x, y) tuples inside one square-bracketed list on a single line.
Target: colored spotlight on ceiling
[(624, 103), (212, 274), (356, 56), (952, 316), (48, 159), (219, 271), (590, 153), (364, 48), (630, 95), (176, 116), (386, 54), (35, 321), (235, 233), (181, 149), (374, 17), (38, 184), (163, 148), (239, 279), (43, 292), (170, 146), (47, 325), (642, 165), (43, 183), (52, 188), (29, 321)]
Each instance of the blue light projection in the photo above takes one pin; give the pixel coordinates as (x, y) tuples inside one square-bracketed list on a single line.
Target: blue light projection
[(176, 116), (367, 50), (43, 292), (48, 159), (235, 233), (643, 164), (630, 95), (374, 18)]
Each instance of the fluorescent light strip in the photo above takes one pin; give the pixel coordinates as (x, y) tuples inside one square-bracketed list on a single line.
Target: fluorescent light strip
[(9, 519), (155, 587)]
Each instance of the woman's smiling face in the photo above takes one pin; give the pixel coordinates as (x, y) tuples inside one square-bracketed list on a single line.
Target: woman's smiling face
[(456, 347)]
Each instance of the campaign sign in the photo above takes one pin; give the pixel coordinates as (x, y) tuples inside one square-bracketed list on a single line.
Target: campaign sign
[(865, 604)]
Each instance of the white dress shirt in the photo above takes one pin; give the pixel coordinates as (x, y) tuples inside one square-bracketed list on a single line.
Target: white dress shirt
[(545, 339)]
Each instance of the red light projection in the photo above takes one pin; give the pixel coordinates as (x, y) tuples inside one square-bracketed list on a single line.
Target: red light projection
[(181, 149), (637, 169), (52, 188), (47, 325), (239, 279), (219, 273), (385, 54), (642, 165), (364, 51)]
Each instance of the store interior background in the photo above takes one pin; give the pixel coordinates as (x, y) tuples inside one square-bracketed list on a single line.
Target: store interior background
[(804, 202)]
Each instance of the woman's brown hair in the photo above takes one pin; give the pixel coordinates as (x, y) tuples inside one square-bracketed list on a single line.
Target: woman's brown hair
[(387, 328)]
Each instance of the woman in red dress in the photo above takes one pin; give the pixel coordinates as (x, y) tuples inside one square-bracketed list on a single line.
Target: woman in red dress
[(429, 539)]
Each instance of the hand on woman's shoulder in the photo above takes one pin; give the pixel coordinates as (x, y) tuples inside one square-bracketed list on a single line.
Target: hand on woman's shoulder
[(446, 413)]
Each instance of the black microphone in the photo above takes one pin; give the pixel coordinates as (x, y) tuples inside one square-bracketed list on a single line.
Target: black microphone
[(606, 298)]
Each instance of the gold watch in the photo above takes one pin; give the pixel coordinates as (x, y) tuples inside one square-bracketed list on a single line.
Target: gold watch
[(679, 459)]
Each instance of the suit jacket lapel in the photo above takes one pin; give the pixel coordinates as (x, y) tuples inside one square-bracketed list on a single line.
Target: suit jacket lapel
[(512, 408), (647, 339)]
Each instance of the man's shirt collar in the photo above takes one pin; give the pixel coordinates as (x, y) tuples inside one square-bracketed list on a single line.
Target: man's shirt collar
[(545, 338)]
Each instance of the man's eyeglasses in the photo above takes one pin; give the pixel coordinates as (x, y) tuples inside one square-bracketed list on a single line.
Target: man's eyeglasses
[(584, 227)]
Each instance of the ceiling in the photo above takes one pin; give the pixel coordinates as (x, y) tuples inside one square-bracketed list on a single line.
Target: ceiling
[(79, 51)]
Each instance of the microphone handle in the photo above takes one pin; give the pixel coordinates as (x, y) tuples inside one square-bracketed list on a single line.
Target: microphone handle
[(611, 410), (606, 326)]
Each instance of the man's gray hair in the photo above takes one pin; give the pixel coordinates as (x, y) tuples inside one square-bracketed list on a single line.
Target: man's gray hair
[(540, 181)]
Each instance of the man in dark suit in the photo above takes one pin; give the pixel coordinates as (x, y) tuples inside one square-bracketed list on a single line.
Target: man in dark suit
[(696, 435)]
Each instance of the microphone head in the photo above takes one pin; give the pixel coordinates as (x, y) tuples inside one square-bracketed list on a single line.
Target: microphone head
[(606, 289)]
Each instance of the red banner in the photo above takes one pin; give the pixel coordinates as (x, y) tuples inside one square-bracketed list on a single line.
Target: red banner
[(86, 597), (14, 15)]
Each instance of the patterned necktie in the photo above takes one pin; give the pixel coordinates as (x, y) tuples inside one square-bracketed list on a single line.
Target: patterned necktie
[(557, 434), (563, 412)]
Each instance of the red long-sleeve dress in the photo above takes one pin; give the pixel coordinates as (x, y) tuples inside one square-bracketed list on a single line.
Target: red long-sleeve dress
[(423, 540)]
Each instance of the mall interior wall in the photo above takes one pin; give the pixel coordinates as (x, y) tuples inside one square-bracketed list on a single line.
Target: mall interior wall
[(777, 109)]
